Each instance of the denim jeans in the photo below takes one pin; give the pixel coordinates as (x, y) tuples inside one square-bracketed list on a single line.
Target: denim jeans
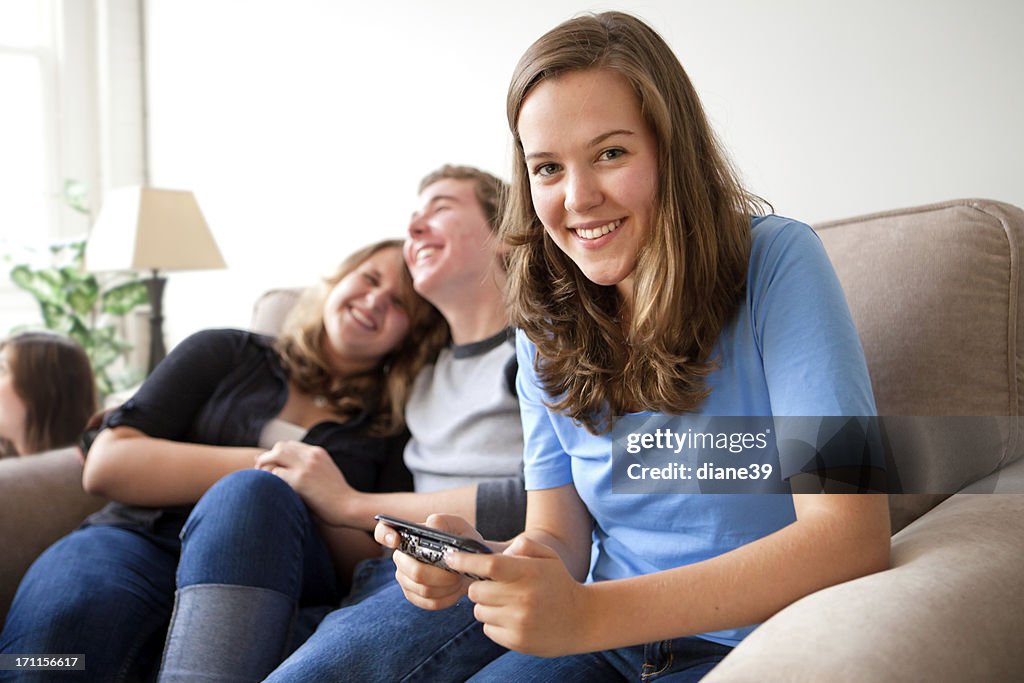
[(679, 660), (250, 556), (107, 592), (252, 529), (368, 577), (384, 637), (103, 592)]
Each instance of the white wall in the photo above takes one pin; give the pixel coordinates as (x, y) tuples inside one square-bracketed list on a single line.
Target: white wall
[(304, 125)]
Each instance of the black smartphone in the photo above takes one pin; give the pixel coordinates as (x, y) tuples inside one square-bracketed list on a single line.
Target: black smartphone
[(429, 545)]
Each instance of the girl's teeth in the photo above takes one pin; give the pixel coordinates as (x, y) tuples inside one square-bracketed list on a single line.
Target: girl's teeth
[(358, 315), (594, 233)]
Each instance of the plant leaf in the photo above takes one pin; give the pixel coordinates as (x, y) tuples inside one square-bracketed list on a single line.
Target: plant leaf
[(81, 333), (55, 317), (104, 355), (44, 285), (107, 347), (124, 298), (82, 293), (78, 253), (109, 335)]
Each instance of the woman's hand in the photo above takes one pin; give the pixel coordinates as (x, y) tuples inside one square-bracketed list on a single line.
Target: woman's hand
[(314, 476), (531, 603), (424, 585)]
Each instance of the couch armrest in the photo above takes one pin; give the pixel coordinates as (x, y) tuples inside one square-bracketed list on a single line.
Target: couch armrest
[(41, 499), (948, 610)]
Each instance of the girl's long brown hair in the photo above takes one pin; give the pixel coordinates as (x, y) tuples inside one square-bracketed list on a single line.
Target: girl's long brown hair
[(690, 276), (52, 375), (381, 391)]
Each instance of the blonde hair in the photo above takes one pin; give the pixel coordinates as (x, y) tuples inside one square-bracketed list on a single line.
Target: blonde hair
[(381, 391), (52, 375), (690, 275)]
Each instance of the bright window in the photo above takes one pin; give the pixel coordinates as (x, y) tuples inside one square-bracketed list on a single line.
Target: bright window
[(28, 128), (21, 23)]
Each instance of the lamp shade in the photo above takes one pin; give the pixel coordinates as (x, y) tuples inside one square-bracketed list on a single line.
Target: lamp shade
[(144, 228)]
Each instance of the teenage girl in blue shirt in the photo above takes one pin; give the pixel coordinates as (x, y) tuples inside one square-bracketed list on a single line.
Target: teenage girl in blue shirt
[(641, 283)]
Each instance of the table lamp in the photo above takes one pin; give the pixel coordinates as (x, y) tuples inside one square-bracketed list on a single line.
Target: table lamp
[(148, 229)]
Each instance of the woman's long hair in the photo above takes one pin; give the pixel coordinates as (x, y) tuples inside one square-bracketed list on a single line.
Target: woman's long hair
[(52, 375), (690, 275), (381, 391)]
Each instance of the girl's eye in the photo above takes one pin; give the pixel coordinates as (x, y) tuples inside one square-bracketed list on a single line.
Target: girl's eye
[(371, 278), (612, 154), (546, 169)]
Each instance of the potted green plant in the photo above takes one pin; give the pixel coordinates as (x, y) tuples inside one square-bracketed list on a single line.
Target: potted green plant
[(82, 305)]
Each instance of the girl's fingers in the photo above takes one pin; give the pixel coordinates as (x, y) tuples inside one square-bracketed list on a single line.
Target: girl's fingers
[(385, 535), (494, 566), (491, 616)]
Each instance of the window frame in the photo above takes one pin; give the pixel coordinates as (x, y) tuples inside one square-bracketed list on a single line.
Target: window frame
[(85, 96)]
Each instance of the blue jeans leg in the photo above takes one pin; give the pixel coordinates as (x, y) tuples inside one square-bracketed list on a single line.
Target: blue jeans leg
[(249, 554), (369, 577), (682, 660), (252, 529), (386, 638), (101, 591)]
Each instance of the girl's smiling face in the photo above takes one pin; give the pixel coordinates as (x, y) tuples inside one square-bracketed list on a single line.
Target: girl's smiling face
[(365, 314), (592, 161)]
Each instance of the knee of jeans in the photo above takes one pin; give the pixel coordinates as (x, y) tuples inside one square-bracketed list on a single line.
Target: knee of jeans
[(244, 503), (85, 601)]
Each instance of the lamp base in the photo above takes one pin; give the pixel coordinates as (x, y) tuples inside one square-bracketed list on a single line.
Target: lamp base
[(155, 288)]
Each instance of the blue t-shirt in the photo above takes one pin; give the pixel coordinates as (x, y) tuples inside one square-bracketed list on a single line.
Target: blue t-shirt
[(791, 350)]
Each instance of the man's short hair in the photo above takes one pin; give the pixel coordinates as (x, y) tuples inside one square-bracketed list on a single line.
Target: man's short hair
[(490, 190)]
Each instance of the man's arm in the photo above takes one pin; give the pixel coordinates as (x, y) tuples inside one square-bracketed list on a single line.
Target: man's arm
[(357, 509), (335, 502)]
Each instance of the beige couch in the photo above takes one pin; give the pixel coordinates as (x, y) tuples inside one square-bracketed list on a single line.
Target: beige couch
[(936, 294)]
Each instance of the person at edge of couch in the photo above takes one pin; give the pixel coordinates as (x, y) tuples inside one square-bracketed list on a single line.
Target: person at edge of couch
[(47, 392), (635, 252), (337, 380), (465, 450)]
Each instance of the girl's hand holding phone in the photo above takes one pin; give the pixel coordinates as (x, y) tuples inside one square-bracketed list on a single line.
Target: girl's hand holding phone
[(531, 603), (424, 585)]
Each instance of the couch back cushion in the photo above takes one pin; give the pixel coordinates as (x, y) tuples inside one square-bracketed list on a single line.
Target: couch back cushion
[(935, 292), (272, 308)]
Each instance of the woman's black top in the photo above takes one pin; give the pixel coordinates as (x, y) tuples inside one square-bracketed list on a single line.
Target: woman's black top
[(221, 387)]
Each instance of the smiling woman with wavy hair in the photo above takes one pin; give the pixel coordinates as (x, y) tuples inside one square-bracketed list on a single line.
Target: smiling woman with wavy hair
[(380, 392)]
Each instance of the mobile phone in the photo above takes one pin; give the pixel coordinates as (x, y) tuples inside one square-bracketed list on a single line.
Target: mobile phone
[(430, 545)]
